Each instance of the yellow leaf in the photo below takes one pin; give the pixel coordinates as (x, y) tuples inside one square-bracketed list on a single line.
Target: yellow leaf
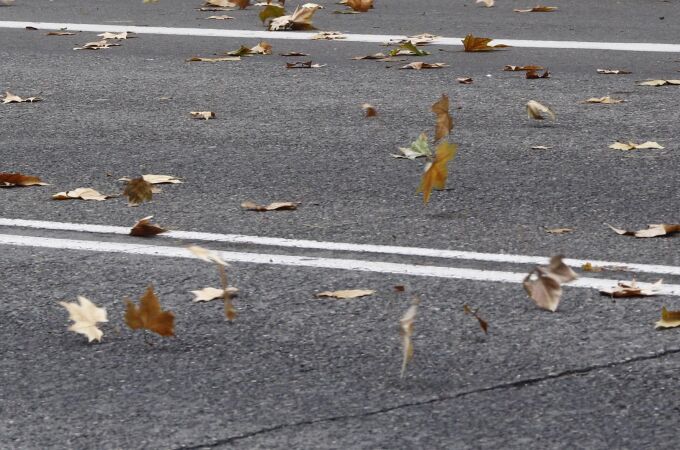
[(85, 316), (346, 294), (436, 172), (669, 319), (444, 123), (480, 44)]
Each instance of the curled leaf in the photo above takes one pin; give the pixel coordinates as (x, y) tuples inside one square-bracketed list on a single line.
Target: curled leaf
[(480, 44), (202, 115), (633, 146), (659, 83), (436, 172), (537, 111), (19, 179), (604, 100), (418, 65), (207, 255), (144, 228), (276, 206), (483, 324), (539, 8), (80, 193), (653, 230), (210, 293), (625, 289), (406, 332), (669, 319), (543, 284), (11, 98), (346, 294), (613, 72), (444, 123), (369, 110)]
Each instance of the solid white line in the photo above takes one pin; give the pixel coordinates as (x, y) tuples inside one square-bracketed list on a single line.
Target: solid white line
[(336, 246), (305, 261), (379, 38)]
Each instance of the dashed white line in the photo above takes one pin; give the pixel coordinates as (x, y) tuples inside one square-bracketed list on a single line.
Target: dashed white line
[(350, 37)]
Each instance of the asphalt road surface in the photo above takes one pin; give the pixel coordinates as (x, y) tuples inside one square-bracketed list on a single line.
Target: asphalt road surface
[(295, 371)]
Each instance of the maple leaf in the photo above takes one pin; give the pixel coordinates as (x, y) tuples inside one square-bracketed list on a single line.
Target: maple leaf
[(346, 294), (144, 228), (406, 332), (116, 36), (659, 83), (436, 171), (262, 48), (444, 123), (210, 293), (633, 146), (613, 72), (251, 206), (97, 45), (301, 19), (85, 316), (626, 289), (419, 147), (19, 179), (543, 284), (480, 44), (604, 100), (138, 191), (418, 65), (149, 315), (11, 98), (536, 111), (538, 8), (653, 230), (369, 110), (81, 193), (359, 5), (483, 324), (669, 319), (202, 115), (213, 60)]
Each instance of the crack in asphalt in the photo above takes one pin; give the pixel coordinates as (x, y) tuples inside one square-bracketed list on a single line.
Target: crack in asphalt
[(509, 385)]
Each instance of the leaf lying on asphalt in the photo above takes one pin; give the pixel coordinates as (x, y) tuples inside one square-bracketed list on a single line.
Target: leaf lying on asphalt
[(406, 332), (138, 191), (346, 294), (116, 36), (539, 8), (97, 45), (544, 284), (301, 19), (541, 147), (659, 83), (19, 179), (222, 17), (436, 172), (160, 179), (304, 65), (263, 48), (420, 147), (6, 2), (149, 315), (60, 33), (85, 316), (444, 123), (464, 80), (533, 74), (559, 230), (294, 54), (418, 39), (483, 324), (213, 8), (202, 115), (206, 255), (80, 193), (605, 100), (480, 44), (213, 59), (410, 49), (633, 146), (208, 294), (375, 56), (144, 228), (251, 206), (625, 289), (359, 5), (328, 36), (537, 111), (242, 4), (486, 3), (521, 68), (669, 319), (613, 72), (653, 230), (369, 110), (418, 65), (11, 98)]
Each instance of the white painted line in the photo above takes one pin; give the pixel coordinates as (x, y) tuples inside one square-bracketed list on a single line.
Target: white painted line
[(305, 261), (378, 38), (336, 246)]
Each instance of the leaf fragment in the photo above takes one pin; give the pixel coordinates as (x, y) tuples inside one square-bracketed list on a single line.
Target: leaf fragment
[(406, 332), (221, 17), (480, 44), (558, 230), (19, 179), (544, 284), (483, 324), (11, 98), (97, 45), (538, 8), (144, 228), (464, 80), (328, 36), (418, 65), (149, 315), (444, 122), (627, 289), (242, 4), (533, 74), (420, 147), (276, 206), (486, 3), (669, 319), (294, 54), (80, 193), (85, 316), (213, 60), (369, 110), (613, 72), (659, 83), (607, 100), (436, 172), (509, 68), (304, 65), (653, 230), (116, 36), (60, 33), (346, 294), (209, 293), (138, 191), (207, 255), (633, 146), (206, 115), (539, 111), (161, 179)]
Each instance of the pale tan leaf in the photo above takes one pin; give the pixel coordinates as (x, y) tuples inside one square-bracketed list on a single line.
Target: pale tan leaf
[(486, 3), (613, 72), (80, 193), (543, 288), (116, 36), (11, 98), (406, 332), (251, 206), (626, 289), (539, 8), (653, 230), (209, 293), (418, 65), (213, 60), (669, 319), (85, 316), (558, 269), (97, 45), (60, 33), (346, 294), (222, 17), (633, 146), (659, 83), (207, 255), (329, 36), (605, 100), (559, 230), (161, 179), (537, 111), (464, 80), (202, 115)]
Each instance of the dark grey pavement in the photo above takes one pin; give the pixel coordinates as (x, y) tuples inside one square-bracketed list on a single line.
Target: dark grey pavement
[(294, 371)]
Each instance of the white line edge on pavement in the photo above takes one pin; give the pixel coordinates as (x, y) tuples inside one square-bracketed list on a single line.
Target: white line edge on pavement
[(213, 32), (335, 246), (305, 261)]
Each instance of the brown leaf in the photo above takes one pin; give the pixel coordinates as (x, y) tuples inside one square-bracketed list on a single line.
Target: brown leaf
[(483, 324), (294, 54), (81, 193), (533, 75), (537, 111), (444, 123), (202, 115), (359, 5), (539, 8), (561, 271), (149, 315), (613, 72), (346, 294), (464, 80), (669, 319), (11, 98), (19, 179), (418, 65), (144, 228), (406, 332), (242, 4), (213, 60), (369, 110), (480, 44), (626, 289), (543, 284), (653, 230), (276, 206), (138, 191), (436, 172)]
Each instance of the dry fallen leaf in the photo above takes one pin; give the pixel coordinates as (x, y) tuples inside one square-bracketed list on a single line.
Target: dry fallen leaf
[(605, 100), (522, 68), (328, 36), (144, 228), (301, 19), (359, 5), (418, 65), (11, 98), (97, 45), (210, 293), (420, 147), (626, 289), (480, 44), (304, 65), (6, 2), (543, 284), (346, 294), (537, 111), (541, 147), (613, 72), (213, 60), (653, 230), (202, 115), (464, 80), (436, 172), (444, 123), (81, 193), (559, 230), (486, 3), (60, 33), (669, 319), (138, 191), (633, 146), (116, 36), (222, 17), (369, 110), (263, 48), (589, 267), (659, 83), (483, 324), (533, 74), (539, 8), (227, 293), (207, 255), (149, 315), (406, 332), (19, 179), (408, 48), (242, 4), (85, 317), (294, 54), (251, 206), (161, 179)]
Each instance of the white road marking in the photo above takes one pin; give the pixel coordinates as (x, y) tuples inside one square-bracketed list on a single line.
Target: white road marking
[(336, 246), (213, 32), (306, 261)]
